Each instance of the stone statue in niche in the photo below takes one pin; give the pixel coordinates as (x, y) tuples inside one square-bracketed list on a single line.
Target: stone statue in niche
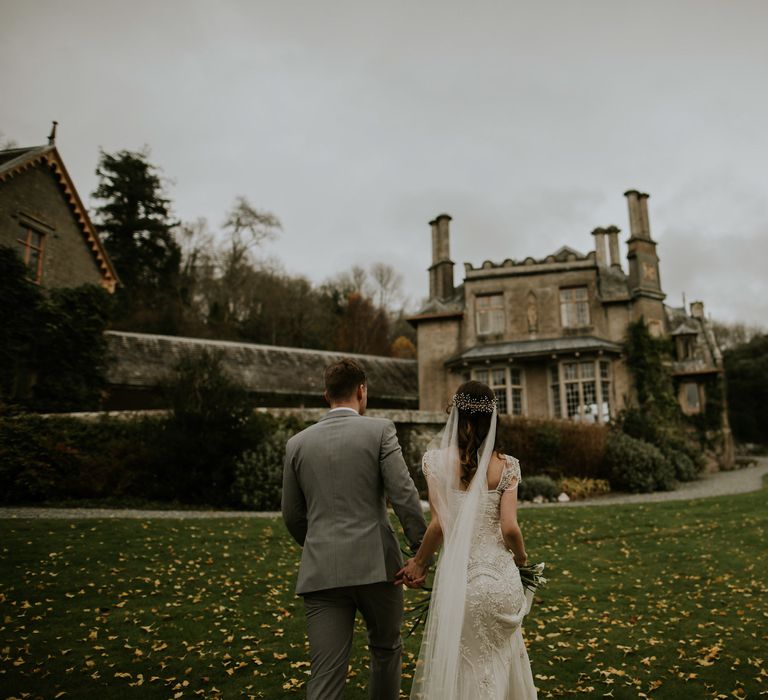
[(532, 313)]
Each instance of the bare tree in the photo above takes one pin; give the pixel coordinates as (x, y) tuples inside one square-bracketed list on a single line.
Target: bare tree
[(355, 281), (729, 335), (247, 228), (389, 284)]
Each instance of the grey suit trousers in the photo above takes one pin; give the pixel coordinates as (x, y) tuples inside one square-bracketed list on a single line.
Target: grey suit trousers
[(330, 624)]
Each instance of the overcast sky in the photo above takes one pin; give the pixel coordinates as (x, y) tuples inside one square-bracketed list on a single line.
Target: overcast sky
[(357, 122)]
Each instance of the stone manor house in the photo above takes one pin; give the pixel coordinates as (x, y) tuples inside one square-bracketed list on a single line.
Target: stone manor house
[(547, 334)]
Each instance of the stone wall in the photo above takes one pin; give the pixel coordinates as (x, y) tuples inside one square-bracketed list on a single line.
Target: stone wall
[(437, 341)]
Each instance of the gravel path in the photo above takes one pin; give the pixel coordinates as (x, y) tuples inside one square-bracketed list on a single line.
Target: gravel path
[(718, 484)]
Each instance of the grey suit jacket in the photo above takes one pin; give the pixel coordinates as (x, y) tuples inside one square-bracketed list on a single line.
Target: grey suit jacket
[(336, 475)]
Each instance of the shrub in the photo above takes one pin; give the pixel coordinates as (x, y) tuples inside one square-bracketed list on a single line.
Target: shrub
[(533, 486), (61, 458), (258, 472), (637, 466), (554, 448), (578, 488), (684, 467), (210, 426)]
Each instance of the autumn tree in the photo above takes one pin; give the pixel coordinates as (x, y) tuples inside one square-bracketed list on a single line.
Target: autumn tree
[(363, 328)]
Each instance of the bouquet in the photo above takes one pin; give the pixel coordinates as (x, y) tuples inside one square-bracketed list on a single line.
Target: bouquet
[(532, 577)]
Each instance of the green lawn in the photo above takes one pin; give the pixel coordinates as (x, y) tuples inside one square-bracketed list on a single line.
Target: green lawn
[(665, 600)]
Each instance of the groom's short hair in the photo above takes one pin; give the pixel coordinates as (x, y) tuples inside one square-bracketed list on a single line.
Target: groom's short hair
[(342, 379)]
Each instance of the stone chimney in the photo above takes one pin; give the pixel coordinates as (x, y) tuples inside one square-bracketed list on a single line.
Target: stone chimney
[(636, 218), (697, 309), (613, 246), (599, 234), (646, 226), (441, 270)]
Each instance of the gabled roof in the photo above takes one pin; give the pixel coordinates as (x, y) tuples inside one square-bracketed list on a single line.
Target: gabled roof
[(687, 327), (15, 161), (564, 252)]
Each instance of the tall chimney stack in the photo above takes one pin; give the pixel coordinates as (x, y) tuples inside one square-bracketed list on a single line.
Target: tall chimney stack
[(441, 270), (646, 226), (599, 234), (613, 246), (635, 217)]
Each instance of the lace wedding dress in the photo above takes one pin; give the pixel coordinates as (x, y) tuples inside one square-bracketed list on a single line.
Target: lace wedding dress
[(493, 662)]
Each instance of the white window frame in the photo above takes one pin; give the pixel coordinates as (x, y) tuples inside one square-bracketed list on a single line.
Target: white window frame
[(485, 375), (490, 320), (601, 378), (574, 307)]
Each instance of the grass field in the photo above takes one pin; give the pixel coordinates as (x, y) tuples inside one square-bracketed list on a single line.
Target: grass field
[(665, 600)]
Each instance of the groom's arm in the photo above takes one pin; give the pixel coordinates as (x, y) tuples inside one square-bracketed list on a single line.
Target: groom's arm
[(293, 503), (400, 488)]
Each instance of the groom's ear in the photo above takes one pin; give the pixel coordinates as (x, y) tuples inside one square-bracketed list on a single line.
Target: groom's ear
[(325, 396)]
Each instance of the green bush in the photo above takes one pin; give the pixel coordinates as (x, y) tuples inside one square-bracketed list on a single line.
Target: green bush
[(533, 486), (637, 466), (258, 472), (683, 466)]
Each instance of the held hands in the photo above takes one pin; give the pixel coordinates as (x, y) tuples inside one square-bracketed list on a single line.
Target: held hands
[(412, 574)]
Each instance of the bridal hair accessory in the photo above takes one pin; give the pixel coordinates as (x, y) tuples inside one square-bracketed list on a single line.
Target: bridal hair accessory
[(473, 404)]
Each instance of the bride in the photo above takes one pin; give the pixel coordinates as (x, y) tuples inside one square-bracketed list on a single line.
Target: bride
[(473, 646)]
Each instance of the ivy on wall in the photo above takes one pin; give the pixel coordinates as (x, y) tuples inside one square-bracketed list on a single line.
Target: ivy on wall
[(52, 345), (646, 358)]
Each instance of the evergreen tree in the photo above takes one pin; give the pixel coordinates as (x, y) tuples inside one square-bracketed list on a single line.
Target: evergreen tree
[(746, 374), (135, 222)]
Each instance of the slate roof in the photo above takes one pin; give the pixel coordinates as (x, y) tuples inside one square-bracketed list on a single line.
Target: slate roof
[(141, 360), (12, 157), (437, 308), (534, 348)]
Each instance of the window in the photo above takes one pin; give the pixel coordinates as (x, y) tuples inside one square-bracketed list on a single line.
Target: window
[(605, 391), (499, 386), (489, 314), (692, 400), (581, 391), (554, 383), (507, 384), (686, 345), (574, 307), (32, 244)]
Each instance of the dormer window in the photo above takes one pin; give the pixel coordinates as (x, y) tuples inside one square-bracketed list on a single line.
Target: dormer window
[(574, 307), (489, 314)]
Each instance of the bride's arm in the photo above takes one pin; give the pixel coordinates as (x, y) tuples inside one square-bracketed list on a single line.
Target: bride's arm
[(415, 570), (510, 530), (433, 538)]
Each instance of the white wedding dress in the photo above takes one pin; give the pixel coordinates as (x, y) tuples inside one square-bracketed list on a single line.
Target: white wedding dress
[(493, 662)]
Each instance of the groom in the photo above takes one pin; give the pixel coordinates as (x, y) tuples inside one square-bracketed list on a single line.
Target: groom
[(336, 476)]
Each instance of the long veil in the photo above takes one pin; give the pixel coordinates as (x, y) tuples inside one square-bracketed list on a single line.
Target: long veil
[(436, 676)]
